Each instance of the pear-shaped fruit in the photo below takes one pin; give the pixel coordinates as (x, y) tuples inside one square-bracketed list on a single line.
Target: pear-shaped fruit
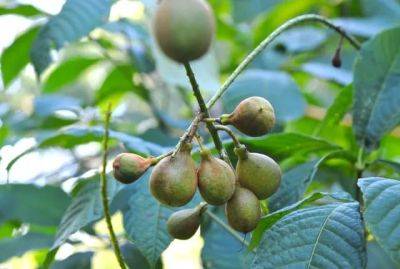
[(173, 180), (183, 224), (243, 210), (129, 167), (258, 173), (253, 116), (216, 179), (184, 29)]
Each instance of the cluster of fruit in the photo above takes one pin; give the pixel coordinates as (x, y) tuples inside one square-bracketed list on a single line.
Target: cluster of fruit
[(175, 179), (184, 30)]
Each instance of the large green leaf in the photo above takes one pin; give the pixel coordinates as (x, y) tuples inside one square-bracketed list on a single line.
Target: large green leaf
[(284, 145), (377, 257), (76, 19), (23, 10), (85, 208), (221, 250), (28, 203), (382, 212), (145, 222), (329, 236), (278, 87), (335, 113), (267, 221), (17, 246), (67, 72), (16, 56), (376, 80)]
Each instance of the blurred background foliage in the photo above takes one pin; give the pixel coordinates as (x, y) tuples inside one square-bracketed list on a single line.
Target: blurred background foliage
[(60, 72)]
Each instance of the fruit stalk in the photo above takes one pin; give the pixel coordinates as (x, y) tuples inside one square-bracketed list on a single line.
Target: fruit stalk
[(230, 133), (104, 197), (268, 40), (204, 110)]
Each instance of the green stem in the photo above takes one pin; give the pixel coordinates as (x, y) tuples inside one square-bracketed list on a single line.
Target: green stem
[(230, 133), (205, 112), (104, 197), (267, 41), (227, 227)]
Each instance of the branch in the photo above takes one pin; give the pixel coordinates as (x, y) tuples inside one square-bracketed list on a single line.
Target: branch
[(205, 112), (104, 197), (267, 41)]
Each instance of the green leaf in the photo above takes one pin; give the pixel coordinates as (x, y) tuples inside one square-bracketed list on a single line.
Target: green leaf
[(23, 10), (335, 113), (388, 9), (377, 257), (329, 236), (328, 72), (76, 19), (85, 208), (27, 203), (285, 145), (16, 56), (269, 220), (135, 259), (248, 10), (120, 81), (301, 39), (221, 250), (145, 222), (67, 72), (382, 212), (394, 165), (376, 80), (81, 260), (46, 105), (278, 87), (17, 246)]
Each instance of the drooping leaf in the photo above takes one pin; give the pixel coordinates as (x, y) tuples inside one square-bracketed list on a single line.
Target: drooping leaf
[(277, 87), (329, 236), (67, 72), (335, 113), (376, 80), (27, 203), (287, 144), (382, 212), (76, 19), (17, 246), (85, 208), (22, 10), (81, 260), (221, 250), (16, 56), (269, 220)]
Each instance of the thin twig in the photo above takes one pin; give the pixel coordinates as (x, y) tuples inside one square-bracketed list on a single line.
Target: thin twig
[(104, 197), (267, 41)]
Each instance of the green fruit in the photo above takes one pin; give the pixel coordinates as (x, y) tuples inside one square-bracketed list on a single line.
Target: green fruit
[(254, 116), (173, 180), (128, 167), (243, 210), (184, 29), (216, 179), (183, 224), (258, 173)]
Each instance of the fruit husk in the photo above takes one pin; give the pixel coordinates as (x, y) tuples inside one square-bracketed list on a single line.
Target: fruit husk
[(183, 224), (129, 167), (254, 116), (243, 210), (258, 173), (173, 181), (184, 29), (216, 179)]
